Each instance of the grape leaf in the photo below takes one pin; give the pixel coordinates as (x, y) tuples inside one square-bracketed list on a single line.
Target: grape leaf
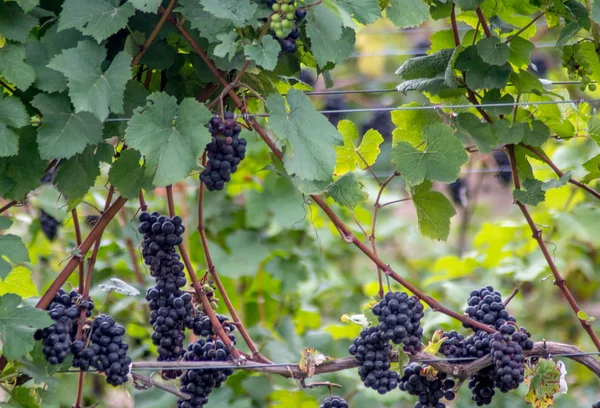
[(364, 11), (593, 168), (349, 156), (347, 191), (593, 129), (40, 52), (64, 133), (468, 4), (481, 75), (28, 5), (208, 25), (306, 156), (410, 124), (440, 160), (531, 193), (76, 175), (97, 18), (22, 397), (509, 134), (408, 13), (538, 134), (17, 325), (429, 73), (264, 54), (90, 89), (148, 6), (239, 12), (169, 145), (434, 211), (13, 67), (19, 282), (228, 45), (12, 114), (493, 97), (22, 172), (324, 28), (482, 133), (492, 51), (127, 175), (543, 380), (520, 52), (526, 82), (39, 369), (13, 249), (252, 252), (567, 33), (15, 24)]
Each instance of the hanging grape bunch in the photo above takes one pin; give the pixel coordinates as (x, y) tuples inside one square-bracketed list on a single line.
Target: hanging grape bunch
[(225, 151), (577, 66), (49, 225), (334, 402), (284, 23)]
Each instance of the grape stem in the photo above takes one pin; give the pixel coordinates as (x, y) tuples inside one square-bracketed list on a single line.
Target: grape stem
[(512, 295), (7, 206), (153, 34), (484, 24)]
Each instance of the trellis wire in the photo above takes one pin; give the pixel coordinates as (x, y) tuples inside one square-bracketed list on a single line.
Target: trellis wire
[(422, 107), (418, 51)]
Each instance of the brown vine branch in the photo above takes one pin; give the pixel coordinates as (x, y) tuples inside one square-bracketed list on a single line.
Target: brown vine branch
[(540, 153), (512, 295), (454, 26), (526, 26), (217, 327), (484, 24), (154, 33), (537, 235), (8, 88), (143, 205), (78, 240), (7, 206)]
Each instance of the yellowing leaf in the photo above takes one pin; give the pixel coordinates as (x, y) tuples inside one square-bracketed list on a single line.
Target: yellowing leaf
[(410, 124), (543, 381), (349, 156), (435, 343), (311, 359), (19, 282)]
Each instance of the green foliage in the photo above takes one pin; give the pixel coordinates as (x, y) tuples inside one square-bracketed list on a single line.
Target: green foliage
[(434, 211)]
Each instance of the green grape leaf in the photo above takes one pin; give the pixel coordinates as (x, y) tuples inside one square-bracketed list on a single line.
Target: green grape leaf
[(508, 134), (557, 183), (239, 12), (15, 24), (481, 75), (428, 73), (408, 13), (410, 124), (482, 133), (306, 157), (493, 97), (330, 42), (200, 19), (39, 54), (5, 223), (11, 247), (148, 6), (569, 31), (22, 173), (493, 51), (127, 174), (532, 192), (76, 175), (12, 115), (64, 133), (90, 89), (28, 5), (364, 11), (526, 82), (468, 4), (97, 18), (520, 52), (595, 13), (347, 191), (17, 325), (543, 381), (349, 156), (593, 168), (22, 397), (228, 46), (169, 145), (13, 67), (19, 282), (434, 211), (440, 160), (264, 54), (538, 134), (593, 128), (39, 369)]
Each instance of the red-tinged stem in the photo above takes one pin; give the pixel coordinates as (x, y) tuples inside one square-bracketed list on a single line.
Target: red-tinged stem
[(512, 295), (484, 24), (540, 153), (217, 327), (454, 26), (143, 205), (154, 33), (537, 235), (78, 238)]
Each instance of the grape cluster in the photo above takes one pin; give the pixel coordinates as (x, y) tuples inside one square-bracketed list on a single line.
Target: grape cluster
[(170, 307), (372, 351), (284, 23), (49, 225), (458, 191), (64, 309), (505, 173), (485, 306), (596, 405), (508, 358), (399, 319), (482, 386), (225, 151), (200, 383), (334, 402), (201, 326), (381, 122), (335, 103), (91, 220), (577, 66), (429, 388), (456, 347)]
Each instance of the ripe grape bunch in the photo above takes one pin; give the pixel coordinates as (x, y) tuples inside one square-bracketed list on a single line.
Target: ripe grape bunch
[(225, 151), (201, 326), (428, 385), (577, 66), (170, 307), (284, 23), (49, 225), (485, 306), (399, 319), (334, 402)]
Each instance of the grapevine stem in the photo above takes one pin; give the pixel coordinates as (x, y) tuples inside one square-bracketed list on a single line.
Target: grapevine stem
[(143, 205), (149, 382), (78, 238), (537, 235), (368, 167), (8, 88), (154, 33), (7, 206), (198, 288), (484, 24), (526, 26), (512, 295), (454, 26)]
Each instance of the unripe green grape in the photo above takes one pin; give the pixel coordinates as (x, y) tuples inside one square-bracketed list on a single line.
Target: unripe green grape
[(276, 7), (290, 16), (576, 47), (285, 8), (586, 80), (276, 26), (275, 17), (592, 87), (287, 24), (279, 33), (585, 64), (589, 71), (568, 49)]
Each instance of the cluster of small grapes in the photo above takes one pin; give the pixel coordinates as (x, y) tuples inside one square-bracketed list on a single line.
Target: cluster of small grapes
[(92, 220), (64, 309), (577, 66), (49, 225), (170, 307), (399, 319), (459, 192), (201, 326), (284, 23), (482, 386), (485, 306), (429, 388), (508, 357), (372, 351), (334, 402), (505, 174), (225, 151)]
